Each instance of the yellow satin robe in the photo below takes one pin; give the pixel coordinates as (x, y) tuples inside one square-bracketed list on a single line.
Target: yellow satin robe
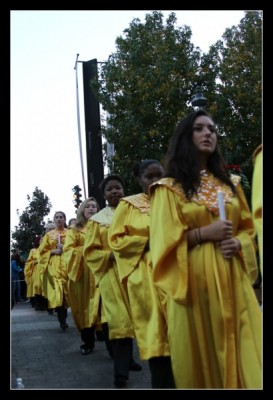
[(114, 298), (257, 199), (29, 272), (83, 295), (128, 235), (214, 319), (54, 269)]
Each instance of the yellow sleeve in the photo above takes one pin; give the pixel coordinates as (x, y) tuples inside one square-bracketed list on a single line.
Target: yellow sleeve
[(44, 253), (29, 266), (125, 240), (73, 254), (96, 251), (256, 201), (246, 234), (168, 244)]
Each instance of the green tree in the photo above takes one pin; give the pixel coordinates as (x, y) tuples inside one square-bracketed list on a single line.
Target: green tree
[(31, 221), (146, 87), (236, 101)]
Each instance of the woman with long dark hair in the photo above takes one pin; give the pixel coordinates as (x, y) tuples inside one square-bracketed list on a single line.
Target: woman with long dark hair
[(206, 264)]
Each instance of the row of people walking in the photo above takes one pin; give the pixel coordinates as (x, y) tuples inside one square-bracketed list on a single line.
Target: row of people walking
[(67, 281), (161, 267)]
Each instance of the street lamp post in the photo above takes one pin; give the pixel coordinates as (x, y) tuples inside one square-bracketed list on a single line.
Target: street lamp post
[(199, 100)]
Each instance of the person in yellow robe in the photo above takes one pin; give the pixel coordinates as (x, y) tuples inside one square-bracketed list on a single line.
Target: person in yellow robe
[(129, 240), (52, 264), (29, 270), (33, 278), (206, 265), (100, 259), (257, 199), (83, 294), (41, 274)]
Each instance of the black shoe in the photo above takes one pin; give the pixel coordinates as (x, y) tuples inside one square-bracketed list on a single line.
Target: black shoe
[(86, 350), (64, 326), (100, 336), (120, 382), (133, 366)]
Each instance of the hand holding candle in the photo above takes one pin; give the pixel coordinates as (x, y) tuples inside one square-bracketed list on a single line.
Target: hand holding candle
[(221, 205), (59, 240)]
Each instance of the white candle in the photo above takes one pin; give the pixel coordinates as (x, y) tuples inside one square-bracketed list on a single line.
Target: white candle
[(221, 205), (59, 239)]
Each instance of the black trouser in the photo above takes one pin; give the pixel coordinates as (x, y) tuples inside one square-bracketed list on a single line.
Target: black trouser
[(122, 354), (161, 372), (121, 350), (40, 302), (62, 314), (108, 344), (88, 336)]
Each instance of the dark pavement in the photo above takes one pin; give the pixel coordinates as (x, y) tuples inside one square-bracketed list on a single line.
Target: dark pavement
[(45, 357)]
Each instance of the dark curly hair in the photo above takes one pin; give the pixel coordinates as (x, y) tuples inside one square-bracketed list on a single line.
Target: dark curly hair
[(110, 178), (140, 166)]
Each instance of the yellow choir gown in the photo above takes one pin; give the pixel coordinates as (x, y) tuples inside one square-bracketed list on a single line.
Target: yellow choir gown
[(54, 269), (128, 235), (257, 199), (114, 297), (31, 267), (214, 319), (83, 295)]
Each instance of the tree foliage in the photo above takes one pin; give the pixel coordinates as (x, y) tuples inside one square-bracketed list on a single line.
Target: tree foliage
[(147, 85), (237, 102), (31, 221)]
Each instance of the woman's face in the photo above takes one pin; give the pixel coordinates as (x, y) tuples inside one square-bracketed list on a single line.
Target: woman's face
[(150, 175), (113, 192), (90, 209), (204, 135), (72, 222), (59, 220)]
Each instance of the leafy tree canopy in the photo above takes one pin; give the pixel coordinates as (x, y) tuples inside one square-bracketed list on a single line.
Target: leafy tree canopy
[(146, 87), (148, 84), (31, 221), (236, 101)]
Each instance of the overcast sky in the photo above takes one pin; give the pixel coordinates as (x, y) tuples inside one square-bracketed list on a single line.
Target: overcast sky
[(44, 130)]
